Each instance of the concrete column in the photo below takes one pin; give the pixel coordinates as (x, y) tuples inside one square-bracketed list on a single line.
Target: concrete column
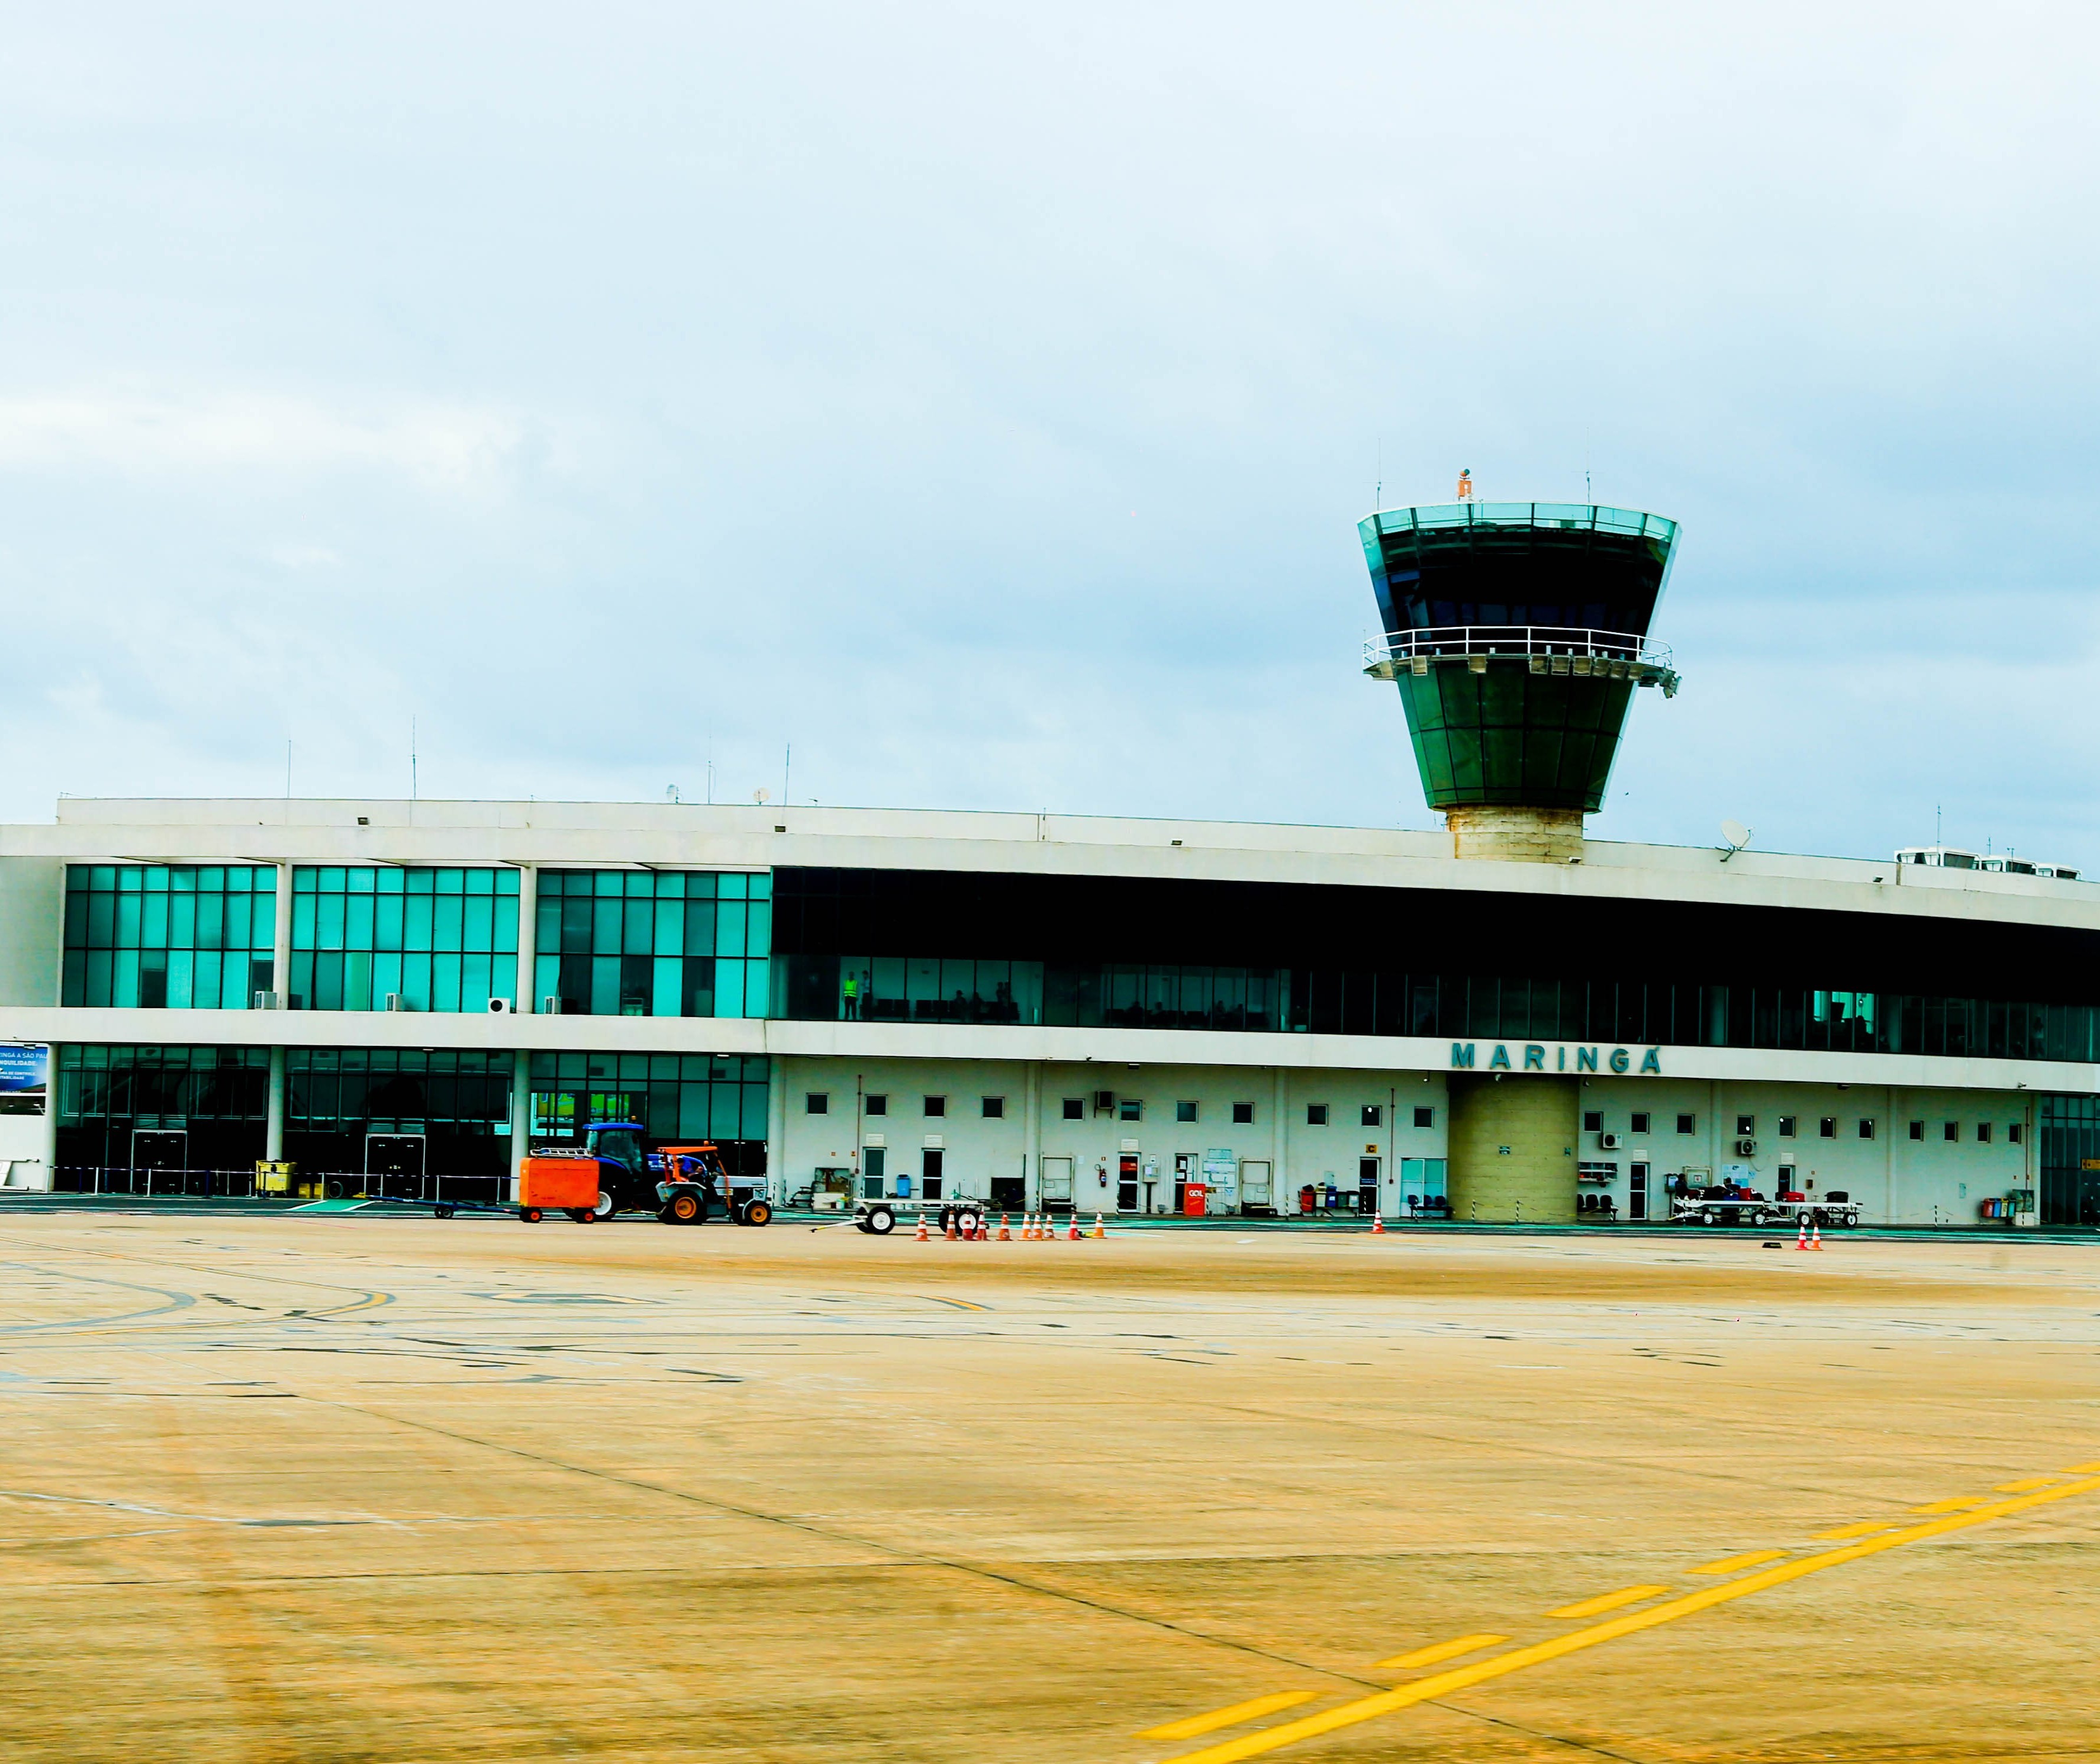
[(1512, 1148), (1031, 1133), (48, 1177), (1280, 1137), (273, 1130), (280, 945), (521, 1117), (776, 1130), (528, 934)]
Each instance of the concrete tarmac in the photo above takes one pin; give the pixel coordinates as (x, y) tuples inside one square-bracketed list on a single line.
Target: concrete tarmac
[(352, 1489)]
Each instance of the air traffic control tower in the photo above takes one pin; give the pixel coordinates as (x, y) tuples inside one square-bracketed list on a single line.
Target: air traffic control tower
[(1517, 634)]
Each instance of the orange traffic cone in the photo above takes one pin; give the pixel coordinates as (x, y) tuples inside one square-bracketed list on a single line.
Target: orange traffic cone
[(1005, 1231), (1801, 1242), (923, 1236), (1815, 1243), (1027, 1227), (1074, 1234), (984, 1229), (1377, 1224), (1098, 1231)]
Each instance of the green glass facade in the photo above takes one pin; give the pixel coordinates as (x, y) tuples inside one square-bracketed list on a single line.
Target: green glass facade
[(654, 943), (181, 1107), (457, 1100), (678, 1099), (2070, 1160), (179, 937), (435, 939)]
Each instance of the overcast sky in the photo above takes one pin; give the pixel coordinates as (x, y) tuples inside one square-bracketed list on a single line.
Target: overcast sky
[(982, 398)]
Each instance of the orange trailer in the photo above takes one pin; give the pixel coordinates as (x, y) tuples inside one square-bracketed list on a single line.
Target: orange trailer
[(558, 1185)]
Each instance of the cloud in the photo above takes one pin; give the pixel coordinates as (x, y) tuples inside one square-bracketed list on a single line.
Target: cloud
[(447, 448)]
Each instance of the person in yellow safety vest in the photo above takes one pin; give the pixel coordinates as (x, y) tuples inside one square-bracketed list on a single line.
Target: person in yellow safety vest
[(1465, 484), (851, 990)]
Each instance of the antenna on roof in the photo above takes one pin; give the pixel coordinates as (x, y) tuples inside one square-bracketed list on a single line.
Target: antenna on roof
[(1737, 835)]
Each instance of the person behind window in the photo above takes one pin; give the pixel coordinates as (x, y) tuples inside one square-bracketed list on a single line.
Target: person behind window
[(850, 992)]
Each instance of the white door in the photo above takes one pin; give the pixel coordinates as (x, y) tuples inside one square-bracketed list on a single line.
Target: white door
[(1057, 1181), (1257, 1182)]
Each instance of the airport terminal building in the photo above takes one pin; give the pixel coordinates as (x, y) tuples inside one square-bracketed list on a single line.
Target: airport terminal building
[(1502, 1021)]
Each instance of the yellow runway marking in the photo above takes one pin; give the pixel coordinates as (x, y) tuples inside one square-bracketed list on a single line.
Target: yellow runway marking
[(1960, 1503), (1604, 1602), (1865, 1528), (1228, 1717), (2081, 1469), (1750, 1559), (1464, 1677), (1437, 1653), (2022, 1486)]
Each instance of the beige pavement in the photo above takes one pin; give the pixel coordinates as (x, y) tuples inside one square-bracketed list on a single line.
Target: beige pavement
[(354, 1488)]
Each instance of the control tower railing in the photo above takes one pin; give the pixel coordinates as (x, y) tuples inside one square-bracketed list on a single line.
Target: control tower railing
[(1547, 649)]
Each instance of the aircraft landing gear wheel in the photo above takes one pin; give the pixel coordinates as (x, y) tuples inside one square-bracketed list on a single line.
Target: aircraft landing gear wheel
[(530, 1215), (758, 1213), (880, 1221)]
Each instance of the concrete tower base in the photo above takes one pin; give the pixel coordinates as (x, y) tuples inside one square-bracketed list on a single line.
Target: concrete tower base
[(1516, 835), (1513, 1150)]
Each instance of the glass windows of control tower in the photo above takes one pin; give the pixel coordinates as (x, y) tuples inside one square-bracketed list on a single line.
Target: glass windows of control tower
[(196, 936)]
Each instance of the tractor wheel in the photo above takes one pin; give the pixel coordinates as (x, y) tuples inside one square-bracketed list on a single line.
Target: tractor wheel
[(758, 1213), (530, 1215), (606, 1207), (684, 1209)]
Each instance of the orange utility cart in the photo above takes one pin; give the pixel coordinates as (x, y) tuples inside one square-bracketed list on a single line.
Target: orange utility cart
[(558, 1185)]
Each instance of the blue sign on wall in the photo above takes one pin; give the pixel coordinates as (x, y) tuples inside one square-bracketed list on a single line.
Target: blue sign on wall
[(25, 1074)]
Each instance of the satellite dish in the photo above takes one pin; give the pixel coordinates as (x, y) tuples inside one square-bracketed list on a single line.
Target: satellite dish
[(1737, 834)]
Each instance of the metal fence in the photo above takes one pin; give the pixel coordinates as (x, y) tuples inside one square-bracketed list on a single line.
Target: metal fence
[(305, 1185)]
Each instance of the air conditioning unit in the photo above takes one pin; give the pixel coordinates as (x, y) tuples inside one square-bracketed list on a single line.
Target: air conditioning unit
[(1609, 1141), (551, 1005), (265, 1001), (1746, 1148), (393, 1001), (1104, 1102), (498, 1007)]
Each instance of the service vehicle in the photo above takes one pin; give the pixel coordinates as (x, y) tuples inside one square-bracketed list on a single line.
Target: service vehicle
[(695, 1181)]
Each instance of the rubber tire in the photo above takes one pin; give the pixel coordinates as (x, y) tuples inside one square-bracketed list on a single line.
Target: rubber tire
[(967, 1220), (758, 1213), (690, 1216), (881, 1221), (583, 1216), (606, 1207), (444, 1210), (530, 1215)]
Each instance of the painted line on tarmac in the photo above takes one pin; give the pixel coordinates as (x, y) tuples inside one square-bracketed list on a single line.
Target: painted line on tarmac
[(1604, 1602), (1251, 1710), (1736, 1564), (1437, 1652), (1444, 1684)]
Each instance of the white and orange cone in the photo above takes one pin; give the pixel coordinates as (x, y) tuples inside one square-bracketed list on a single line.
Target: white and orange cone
[(1005, 1234), (1377, 1224), (1816, 1241), (1802, 1241), (1074, 1234), (924, 1237), (1100, 1230)]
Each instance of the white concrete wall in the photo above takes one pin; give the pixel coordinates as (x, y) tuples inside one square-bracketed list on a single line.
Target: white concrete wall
[(32, 929), (1896, 1179), (976, 1148)]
